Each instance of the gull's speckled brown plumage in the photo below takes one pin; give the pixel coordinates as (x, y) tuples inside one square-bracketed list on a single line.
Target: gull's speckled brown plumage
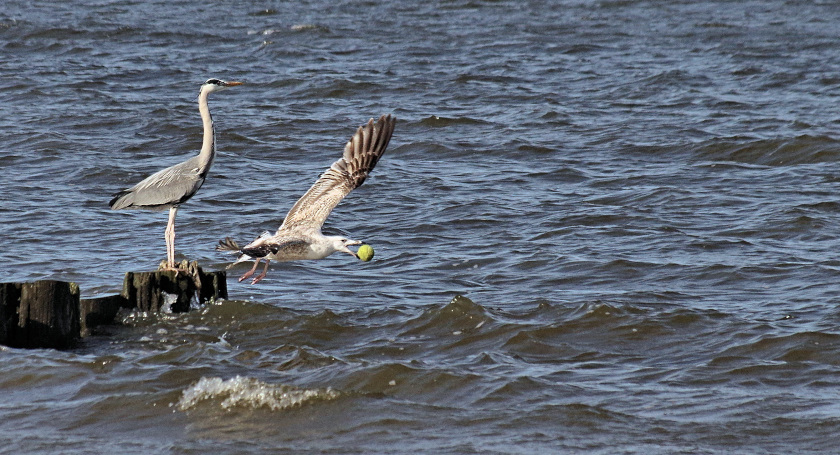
[(300, 237)]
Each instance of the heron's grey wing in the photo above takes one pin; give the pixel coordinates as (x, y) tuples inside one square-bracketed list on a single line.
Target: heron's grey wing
[(360, 156), (167, 187)]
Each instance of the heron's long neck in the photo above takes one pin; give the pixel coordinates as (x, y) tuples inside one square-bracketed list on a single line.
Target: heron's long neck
[(208, 146)]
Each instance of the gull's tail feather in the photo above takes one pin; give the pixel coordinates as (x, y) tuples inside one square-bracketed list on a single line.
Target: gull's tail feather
[(229, 245)]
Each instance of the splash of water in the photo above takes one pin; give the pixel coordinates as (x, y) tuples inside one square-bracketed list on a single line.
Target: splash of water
[(250, 393)]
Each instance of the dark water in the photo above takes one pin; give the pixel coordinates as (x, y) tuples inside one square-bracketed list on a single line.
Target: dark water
[(601, 227)]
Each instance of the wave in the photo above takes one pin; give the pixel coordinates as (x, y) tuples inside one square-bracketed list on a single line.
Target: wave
[(803, 149), (751, 151), (435, 121), (245, 392)]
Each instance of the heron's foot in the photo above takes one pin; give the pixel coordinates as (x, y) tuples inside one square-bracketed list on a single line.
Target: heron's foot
[(166, 266), (191, 269), (184, 266)]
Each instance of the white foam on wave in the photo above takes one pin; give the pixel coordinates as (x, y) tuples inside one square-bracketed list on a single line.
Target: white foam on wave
[(250, 393)]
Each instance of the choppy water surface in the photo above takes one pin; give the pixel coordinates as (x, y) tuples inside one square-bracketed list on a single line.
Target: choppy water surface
[(601, 227)]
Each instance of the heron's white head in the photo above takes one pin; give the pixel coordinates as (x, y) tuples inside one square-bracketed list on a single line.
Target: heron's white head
[(214, 85), (341, 244)]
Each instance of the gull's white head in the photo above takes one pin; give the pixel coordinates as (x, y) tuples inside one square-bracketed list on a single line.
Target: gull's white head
[(214, 85), (341, 243)]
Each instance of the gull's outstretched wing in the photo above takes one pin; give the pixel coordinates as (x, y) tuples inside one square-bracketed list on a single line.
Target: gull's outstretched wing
[(361, 154)]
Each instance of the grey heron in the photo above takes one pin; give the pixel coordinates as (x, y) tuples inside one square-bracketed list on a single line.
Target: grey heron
[(171, 187), (300, 237)]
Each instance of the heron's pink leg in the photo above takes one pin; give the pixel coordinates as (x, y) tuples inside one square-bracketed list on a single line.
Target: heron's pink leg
[(170, 237), (251, 272), (262, 275)]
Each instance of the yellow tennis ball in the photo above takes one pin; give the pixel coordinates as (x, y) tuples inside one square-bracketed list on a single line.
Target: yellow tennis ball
[(365, 252)]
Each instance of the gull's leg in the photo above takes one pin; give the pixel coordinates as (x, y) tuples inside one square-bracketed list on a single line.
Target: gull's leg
[(262, 275), (251, 272)]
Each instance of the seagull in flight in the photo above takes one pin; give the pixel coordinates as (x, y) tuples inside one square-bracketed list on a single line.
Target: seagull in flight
[(300, 237)]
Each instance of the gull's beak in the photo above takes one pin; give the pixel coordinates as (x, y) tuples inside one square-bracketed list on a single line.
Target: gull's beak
[(233, 84)]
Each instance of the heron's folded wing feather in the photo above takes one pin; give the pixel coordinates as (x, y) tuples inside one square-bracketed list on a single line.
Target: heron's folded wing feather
[(170, 186)]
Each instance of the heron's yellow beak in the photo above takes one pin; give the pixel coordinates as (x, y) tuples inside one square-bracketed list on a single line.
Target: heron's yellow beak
[(231, 84)]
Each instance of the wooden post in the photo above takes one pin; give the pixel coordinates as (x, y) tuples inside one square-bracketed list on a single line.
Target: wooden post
[(100, 311), (169, 291), (159, 292), (9, 302), (43, 314), (213, 286), (49, 314)]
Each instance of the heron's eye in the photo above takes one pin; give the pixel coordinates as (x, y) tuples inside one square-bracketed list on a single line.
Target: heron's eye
[(214, 82)]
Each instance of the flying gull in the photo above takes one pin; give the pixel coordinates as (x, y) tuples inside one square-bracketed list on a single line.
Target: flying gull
[(300, 237)]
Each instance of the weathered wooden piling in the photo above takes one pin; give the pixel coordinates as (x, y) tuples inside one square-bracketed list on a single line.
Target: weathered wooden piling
[(100, 311), (173, 291), (49, 314), (43, 314), (9, 302), (213, 286)]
